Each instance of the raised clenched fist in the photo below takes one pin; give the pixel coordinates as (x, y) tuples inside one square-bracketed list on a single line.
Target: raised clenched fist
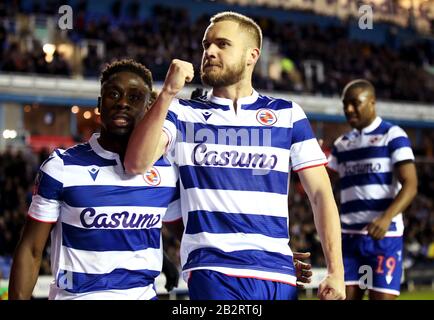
[(178, 74)]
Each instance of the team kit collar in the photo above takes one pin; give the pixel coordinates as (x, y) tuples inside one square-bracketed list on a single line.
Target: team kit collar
[(228, 102), (374, 125), (99, 150)]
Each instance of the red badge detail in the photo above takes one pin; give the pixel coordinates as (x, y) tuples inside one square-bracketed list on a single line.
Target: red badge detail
[(374, 140), (266, 117), (152, 177)]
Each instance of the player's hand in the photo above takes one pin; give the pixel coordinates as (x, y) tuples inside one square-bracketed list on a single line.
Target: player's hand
[(332, 288), (178, 74), (378, 227), (302, 269), (171, 272)]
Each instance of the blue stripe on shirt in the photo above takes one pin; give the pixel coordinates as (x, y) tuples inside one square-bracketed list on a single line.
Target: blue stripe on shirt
[(366, 179), (365, 205), (334, 151), (397, 143), (204, 105), (382, 129), (265, 102), (362, 153), (48, 187), (241, 259), (105, 196), (118, 279), (222, 222), (233, 179), (110, 239), (302, 131), (172, 117), (83, 155)]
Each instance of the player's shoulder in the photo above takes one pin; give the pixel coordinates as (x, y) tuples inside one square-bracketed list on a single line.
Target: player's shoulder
[(387, 128), (275, 103), (53, 165), (289, 109), (56, 156), (198, 103), (61, 156), (76, 152), (395, 131), (164, 161), (383, 128), (343, 139)]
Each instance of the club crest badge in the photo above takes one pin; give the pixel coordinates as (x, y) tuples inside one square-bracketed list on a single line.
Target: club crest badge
[(266, 117), (152, 177)]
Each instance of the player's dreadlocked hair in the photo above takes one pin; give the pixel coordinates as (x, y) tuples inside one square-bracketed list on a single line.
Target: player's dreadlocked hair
[(127, 65)]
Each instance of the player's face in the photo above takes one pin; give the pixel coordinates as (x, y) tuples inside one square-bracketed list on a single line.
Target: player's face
[(359, 107), (224, 54), (124, 98)]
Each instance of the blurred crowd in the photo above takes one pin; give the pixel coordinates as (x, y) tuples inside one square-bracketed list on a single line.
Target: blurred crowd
[(17, 171), (302, 58)]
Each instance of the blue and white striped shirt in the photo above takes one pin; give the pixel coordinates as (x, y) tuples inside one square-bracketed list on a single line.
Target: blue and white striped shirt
[(106, 243), (364, 161), (234, 181)]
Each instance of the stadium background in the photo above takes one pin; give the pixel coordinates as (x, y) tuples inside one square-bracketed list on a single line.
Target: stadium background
[(312, 48)]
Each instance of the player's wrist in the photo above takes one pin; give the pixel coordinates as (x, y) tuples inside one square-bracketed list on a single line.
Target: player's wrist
[(388, 215), (336, 274), (335, 271), (168, 92)]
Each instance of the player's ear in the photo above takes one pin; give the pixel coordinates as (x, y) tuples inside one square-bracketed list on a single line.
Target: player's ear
[(99, 104), (253, 56), (372, 103)]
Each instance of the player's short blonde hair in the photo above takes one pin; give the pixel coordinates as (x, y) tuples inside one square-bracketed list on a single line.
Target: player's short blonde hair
[(247, 24)]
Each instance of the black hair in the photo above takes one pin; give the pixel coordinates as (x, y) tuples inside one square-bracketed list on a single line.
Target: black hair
[(127, 65)]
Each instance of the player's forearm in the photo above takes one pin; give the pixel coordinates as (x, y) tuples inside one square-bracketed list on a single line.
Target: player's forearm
[(403, 199), (24, 273), (328, 226), (144, 141), (317, 186), (176, 228)]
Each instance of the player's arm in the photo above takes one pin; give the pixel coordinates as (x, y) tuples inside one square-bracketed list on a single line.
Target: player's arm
[(406, 174), (316, 183), (27, 259), (147, 142), (176, 228), (171, 273)]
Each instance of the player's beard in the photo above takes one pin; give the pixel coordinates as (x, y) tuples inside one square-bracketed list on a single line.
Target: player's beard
[(230, 76)]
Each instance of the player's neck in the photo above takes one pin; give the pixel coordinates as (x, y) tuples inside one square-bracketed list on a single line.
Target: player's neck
[(114, 143), (234, 92), (370, 122)]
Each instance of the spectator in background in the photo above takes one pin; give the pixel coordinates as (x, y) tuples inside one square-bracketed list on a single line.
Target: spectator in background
[(59, 66)]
